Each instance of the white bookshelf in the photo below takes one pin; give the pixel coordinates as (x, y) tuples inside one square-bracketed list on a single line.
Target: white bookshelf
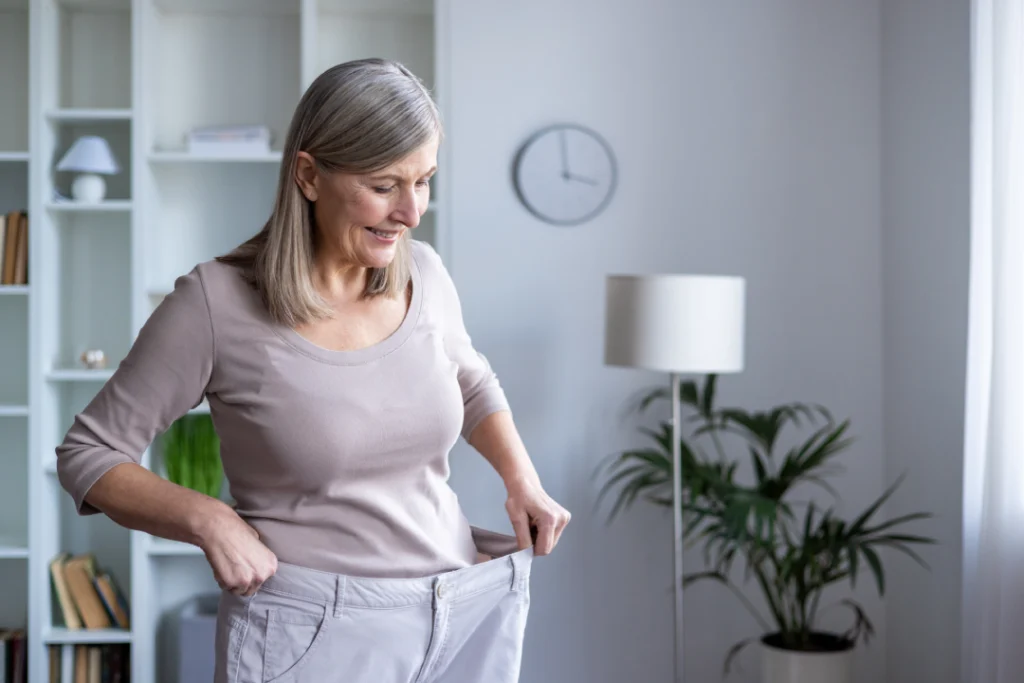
[(142, 73), (15, 324)]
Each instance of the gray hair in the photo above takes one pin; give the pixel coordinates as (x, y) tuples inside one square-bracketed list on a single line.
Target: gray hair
[(357, 117)]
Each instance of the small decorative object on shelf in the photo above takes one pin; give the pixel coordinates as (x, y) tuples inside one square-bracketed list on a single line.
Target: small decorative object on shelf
[(90, 156), (213, 141), (94, 359)]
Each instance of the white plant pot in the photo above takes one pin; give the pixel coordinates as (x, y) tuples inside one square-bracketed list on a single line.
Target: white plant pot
[(789, 666)]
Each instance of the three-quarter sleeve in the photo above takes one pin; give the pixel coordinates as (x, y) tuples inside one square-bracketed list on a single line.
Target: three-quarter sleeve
[(482, 393), (164, 374)]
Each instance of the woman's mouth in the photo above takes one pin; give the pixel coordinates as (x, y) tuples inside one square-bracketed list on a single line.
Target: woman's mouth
[(385, 235)]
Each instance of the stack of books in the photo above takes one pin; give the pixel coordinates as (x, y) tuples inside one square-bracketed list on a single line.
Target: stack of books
[(13, 666), (228, 141), (14, 248), (93, 664), (88, 597)]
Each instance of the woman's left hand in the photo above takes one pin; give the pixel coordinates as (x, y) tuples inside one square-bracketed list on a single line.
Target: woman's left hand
[(529, 506)]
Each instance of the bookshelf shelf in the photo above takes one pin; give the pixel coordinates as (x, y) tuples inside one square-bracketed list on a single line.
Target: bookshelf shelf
[(162, 547), (13, 552), (17, 157), (13, 547), (14, 411), (188, 158), (201, 409), (60, 635), (110, 205), (86, 115), (14, 290), (380, 8), (75, 375)]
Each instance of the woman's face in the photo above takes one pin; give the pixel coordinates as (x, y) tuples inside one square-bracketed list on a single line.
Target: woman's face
[(362, 217)]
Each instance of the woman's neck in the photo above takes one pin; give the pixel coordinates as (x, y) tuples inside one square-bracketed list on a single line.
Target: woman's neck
[(338, 279)]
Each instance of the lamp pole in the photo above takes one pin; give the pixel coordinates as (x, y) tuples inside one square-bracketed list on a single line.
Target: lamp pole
[(677, 530)]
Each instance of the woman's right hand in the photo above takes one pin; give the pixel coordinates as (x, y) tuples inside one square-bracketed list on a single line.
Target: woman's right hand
[(240, 561)]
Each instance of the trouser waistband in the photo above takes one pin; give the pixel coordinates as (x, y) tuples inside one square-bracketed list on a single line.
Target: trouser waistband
[(510, 567)]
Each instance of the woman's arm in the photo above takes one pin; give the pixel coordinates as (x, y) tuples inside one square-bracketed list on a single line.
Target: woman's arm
[(166, 372), (136, 498), (528, 505), (489, 428)]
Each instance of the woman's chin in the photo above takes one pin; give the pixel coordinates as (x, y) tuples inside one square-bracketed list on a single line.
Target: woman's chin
[(379, 256), (375, 252)]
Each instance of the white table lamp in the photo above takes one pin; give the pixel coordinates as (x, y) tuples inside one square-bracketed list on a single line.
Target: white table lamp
[(91, 157), (676, 324)]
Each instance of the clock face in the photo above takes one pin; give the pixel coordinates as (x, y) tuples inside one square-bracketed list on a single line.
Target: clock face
[(565, 174)]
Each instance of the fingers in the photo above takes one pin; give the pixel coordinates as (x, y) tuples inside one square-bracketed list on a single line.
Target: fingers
[(246, 579), (550, 525), (521, 525), (545, 539)]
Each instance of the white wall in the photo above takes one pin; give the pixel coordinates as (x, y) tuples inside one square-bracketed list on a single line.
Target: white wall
[(748, 139), (926, 205)]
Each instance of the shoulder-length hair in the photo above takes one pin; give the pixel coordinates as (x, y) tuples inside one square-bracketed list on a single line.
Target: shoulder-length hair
[(357, 117)]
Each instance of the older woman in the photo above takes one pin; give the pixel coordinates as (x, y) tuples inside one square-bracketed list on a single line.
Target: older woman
[(339, 373)]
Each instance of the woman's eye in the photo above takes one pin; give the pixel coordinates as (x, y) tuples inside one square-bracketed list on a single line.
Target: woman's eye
[(383, 190), (424, 183)]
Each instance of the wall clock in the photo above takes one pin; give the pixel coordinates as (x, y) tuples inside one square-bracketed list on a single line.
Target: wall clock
[(565, 174)]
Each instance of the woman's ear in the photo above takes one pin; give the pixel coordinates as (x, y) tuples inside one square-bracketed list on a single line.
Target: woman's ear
[(306, 176)]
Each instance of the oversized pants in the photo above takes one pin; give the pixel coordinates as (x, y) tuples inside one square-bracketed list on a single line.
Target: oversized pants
[(308, 626)]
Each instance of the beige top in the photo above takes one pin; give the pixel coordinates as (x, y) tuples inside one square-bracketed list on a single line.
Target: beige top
[(339, 459)]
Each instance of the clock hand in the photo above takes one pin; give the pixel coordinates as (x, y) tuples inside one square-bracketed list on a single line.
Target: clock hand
[(582, 179), (565, 155)]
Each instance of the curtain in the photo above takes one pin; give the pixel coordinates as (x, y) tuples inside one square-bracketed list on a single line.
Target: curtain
[(993, 592)]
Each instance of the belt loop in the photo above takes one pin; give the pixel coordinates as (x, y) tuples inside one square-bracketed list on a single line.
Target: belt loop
[(520, 571), (339, 595)]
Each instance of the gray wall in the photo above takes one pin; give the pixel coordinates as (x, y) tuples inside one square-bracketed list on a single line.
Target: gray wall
[(926, 205), (748, 139)]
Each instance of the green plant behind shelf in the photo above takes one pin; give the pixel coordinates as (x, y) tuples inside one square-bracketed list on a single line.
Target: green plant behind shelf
[(793, 550), (191, 454)]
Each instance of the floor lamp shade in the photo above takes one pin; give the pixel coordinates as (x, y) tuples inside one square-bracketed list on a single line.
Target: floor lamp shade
[(675, 323)]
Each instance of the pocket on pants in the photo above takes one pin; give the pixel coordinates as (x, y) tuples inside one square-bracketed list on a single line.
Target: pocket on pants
[(277, 638), (292, 634)]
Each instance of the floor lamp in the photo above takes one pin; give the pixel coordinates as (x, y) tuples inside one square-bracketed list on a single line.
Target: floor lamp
[(675, 324)]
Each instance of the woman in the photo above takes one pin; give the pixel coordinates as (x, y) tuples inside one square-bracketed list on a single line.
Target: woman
[(333, 355)]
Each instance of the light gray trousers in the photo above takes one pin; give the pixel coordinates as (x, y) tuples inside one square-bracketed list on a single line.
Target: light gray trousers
[(307, 626)]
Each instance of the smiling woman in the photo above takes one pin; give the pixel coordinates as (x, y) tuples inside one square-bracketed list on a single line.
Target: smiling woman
[(332, 352)]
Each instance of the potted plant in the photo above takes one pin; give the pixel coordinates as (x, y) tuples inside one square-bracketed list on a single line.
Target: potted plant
[(793, 550), (191, 454)]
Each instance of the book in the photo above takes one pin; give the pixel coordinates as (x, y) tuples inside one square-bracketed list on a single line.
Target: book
[(54, 652), (79, 572), (81, 664), (13, 654), (68, 611), (21, 249), (10, 247), (112, 598)]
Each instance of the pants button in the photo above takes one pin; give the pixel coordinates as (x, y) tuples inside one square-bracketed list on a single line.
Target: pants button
[(442, 590)]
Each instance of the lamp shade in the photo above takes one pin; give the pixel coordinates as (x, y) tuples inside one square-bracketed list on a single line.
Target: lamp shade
[(675, 323), (89, 154)]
